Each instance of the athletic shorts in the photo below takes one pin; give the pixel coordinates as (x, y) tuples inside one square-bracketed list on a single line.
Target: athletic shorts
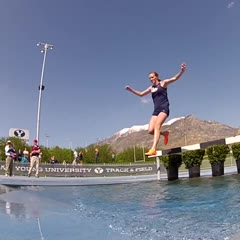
[(162, 109)]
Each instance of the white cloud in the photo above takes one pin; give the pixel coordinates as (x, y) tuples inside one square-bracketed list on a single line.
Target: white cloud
[(146, 99), (231, 4)]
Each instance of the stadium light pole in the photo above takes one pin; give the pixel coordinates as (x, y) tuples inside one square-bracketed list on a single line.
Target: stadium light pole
[(45, 47), (47, 136)]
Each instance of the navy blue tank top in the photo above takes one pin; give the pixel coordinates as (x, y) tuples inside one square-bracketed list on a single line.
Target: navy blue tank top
[(159, 96)]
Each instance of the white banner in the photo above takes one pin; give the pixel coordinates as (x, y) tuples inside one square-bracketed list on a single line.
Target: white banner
[(20, 133)]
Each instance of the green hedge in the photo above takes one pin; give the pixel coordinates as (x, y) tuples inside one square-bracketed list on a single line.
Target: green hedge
[(171, 160), (193, 158), (236, 150), (217, 153)]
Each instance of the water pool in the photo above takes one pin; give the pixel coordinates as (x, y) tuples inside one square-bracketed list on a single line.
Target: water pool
[(191, 209)]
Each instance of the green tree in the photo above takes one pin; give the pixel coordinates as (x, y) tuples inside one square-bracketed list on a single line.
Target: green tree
[(105, 154), (45, 154), (130, 155), (60, 154)]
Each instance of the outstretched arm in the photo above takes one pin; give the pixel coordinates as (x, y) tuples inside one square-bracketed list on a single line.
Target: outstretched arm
[(138, 93), (176, 77)]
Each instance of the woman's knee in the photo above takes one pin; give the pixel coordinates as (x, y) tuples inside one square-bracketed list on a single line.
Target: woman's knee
[(151, 131)]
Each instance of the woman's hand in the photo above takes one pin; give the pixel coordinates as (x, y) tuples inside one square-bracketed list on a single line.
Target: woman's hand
[(183, 67), (128, 88)]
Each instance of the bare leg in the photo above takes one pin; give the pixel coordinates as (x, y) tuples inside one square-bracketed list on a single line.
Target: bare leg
[(157, 126), (161, 133), (151, 127), (164, 133)]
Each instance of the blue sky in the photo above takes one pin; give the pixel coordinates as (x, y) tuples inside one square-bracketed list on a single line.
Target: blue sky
[(103, 45)]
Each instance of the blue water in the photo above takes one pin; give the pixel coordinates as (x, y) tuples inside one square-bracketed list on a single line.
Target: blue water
[(195, 209)]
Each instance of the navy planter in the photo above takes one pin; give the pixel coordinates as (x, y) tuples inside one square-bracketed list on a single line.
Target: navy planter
[(172, 173), (194, 171), (217, 169), (238, 165)]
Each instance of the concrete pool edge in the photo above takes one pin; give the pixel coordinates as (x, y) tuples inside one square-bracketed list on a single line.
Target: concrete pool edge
[(87, 181)]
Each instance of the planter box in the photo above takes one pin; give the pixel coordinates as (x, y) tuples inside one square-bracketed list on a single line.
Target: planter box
[(194, 171), (238, 165), (172, 173), (217, 169)]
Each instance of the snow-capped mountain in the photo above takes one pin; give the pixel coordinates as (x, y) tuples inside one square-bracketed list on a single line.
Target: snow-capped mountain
[(138, 128), (183, 131)]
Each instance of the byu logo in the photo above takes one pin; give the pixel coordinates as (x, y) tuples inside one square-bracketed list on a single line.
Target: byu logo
[(154, 89), (98, 170), (19, 133)]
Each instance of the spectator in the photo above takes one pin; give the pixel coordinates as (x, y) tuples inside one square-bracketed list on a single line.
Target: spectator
[(113, 157), (53, 160), (75, 154), (40, 157), (96, 155), (35, 158), (25, 157), (24, 160), (74, 162), (10, 155), (19, 155), (25, 153), (80, 157)]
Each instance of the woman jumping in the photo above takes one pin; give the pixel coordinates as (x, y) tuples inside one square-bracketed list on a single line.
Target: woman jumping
[(161, 105)]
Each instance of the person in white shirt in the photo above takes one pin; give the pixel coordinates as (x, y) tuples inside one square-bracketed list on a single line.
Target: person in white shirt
[(10, 154), (25, 153)]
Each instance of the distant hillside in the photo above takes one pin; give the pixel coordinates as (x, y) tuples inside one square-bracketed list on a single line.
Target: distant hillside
[(184, 131)]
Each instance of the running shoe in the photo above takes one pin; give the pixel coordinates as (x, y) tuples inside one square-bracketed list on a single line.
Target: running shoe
[(166, 137), (151, 152)]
